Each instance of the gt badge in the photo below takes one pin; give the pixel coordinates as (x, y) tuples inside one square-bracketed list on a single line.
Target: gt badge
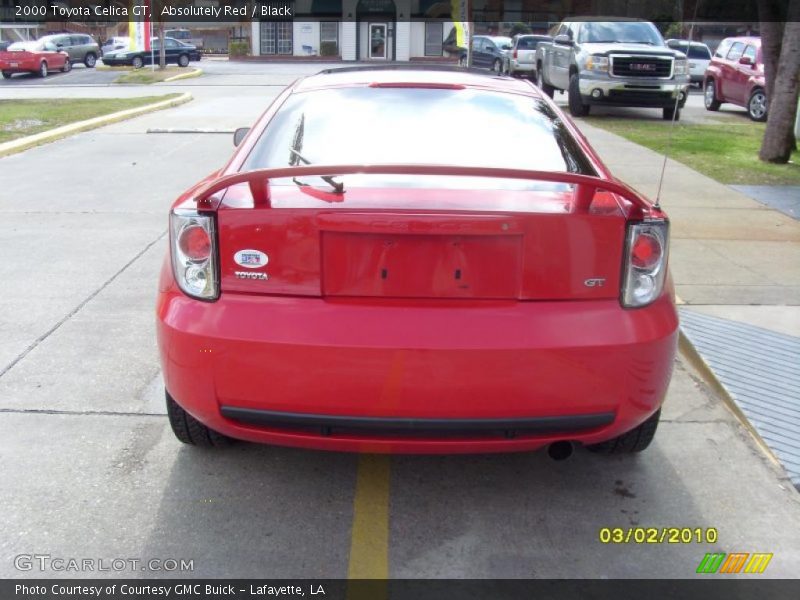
[(251, 259)]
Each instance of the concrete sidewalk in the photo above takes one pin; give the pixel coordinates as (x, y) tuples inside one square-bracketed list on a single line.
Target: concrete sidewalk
[(736, 266)]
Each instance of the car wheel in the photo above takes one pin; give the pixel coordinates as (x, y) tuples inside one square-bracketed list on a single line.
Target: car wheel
[(43, 69), (671, 111), (497, 66), (710, 96), (462, 61), (576, 106), (546, 88), (183, 60), (90, 60), (137, 62), (7, 74), (634, 440), (757, 105), (191, 431), (67, 66)]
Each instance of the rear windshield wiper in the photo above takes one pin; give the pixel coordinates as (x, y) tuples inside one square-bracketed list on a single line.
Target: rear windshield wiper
[(338, 186)]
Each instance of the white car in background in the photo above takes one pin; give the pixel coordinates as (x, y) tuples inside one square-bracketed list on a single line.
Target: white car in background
[(699, 56), (115, 43)]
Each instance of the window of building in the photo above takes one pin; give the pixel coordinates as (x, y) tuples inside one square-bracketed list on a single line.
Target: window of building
[(276, 37), (329, 38), (434, 34)]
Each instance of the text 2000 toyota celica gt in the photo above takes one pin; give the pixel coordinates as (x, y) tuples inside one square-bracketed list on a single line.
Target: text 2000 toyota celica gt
[(416, 261)]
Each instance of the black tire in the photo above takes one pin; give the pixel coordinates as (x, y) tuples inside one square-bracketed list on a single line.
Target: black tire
[(191, 431), (710, 96), (7, 74), (576, 106), (137, 62), (757, 105), (90, 60), (669, 111), (462, 60), (545, 87), (183, 60), (634, 440), (67, 66), (42, 69)]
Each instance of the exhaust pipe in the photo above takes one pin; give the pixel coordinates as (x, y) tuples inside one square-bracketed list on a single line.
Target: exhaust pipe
[(560, 450)]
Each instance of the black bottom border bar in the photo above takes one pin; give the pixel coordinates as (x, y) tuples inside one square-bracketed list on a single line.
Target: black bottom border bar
[(704, 588)]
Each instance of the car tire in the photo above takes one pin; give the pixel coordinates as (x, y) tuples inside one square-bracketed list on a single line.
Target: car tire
[(462, 61), (67, 66), (183, 60), (576, 106), (137, 62), (7, 74), (497, 66), (710, 96), (191, 431), (635, 440), (90, 60), (757, 105), (42, 69), (546, 88), (669, 111)]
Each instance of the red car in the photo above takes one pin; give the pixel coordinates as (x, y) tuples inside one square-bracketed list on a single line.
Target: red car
[(368, 273), (39, 57), (736, 75)]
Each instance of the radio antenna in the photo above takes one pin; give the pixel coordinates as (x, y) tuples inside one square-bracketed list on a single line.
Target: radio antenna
[(657, 204)]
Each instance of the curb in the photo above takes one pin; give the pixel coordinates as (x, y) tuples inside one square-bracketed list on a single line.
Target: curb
[(58, 133), (697, 362), (189, 75)]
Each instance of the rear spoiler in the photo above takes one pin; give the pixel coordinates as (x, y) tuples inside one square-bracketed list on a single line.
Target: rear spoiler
[(585, 185)]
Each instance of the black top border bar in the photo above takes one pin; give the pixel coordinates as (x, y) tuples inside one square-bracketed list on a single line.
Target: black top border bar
[(538, 12)]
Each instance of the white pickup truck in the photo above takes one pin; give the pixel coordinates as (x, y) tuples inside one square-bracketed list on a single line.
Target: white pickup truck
[(621, 63)]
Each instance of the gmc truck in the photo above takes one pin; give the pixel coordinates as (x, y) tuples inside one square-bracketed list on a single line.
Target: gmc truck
[(618, 63)]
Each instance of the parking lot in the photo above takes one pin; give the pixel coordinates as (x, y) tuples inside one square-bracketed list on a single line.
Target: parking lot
[(92, 470)]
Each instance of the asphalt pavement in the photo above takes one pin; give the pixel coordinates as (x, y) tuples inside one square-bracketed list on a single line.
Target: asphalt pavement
[(91, 469)]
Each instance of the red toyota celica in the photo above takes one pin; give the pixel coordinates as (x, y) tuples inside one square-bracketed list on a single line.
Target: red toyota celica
[(416, 261), (40, 57)]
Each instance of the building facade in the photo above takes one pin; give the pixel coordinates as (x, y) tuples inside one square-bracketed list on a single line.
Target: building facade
[(363, 30)]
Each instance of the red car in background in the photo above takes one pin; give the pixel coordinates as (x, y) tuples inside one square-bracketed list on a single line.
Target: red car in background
[(736, 75), (354, 280), (40, 57)]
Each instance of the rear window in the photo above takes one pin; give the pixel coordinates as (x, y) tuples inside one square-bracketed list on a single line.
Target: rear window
[(527, 43), (419, 126), (30, 46), (695, 51)]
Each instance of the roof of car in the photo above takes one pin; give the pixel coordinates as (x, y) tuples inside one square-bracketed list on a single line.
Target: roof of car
[(685, 42), (361, 76), (747, 39)]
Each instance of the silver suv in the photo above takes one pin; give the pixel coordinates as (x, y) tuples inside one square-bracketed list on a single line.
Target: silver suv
[(622, 63), (80, 47)]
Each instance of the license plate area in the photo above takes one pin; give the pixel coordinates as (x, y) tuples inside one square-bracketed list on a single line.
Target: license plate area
[(421, 266)]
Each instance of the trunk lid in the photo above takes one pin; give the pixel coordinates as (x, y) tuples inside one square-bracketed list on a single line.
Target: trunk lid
[(421, 243)]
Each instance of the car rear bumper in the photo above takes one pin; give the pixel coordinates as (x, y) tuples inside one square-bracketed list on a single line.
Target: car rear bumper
[(415, 378)]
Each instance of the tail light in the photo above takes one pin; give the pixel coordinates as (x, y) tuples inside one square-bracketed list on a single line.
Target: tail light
[(645, 263), (194, 253), (515, 53)]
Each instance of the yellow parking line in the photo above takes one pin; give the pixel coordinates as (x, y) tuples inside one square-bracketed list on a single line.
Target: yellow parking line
[(369, 542)]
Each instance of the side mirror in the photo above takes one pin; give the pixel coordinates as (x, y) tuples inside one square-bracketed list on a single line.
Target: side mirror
[(745, 60), (239, 135), (564, 40)]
